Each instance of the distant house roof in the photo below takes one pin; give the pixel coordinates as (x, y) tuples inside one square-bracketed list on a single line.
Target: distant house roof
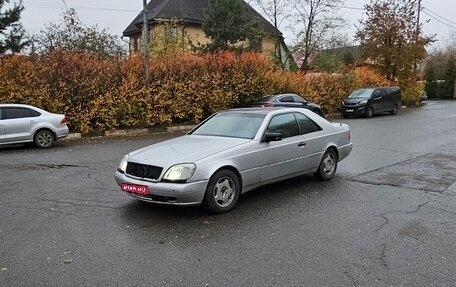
[(188, 11), (340, 52)]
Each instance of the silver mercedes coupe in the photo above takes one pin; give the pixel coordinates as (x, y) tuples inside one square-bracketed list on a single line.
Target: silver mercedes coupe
[(232, 152)]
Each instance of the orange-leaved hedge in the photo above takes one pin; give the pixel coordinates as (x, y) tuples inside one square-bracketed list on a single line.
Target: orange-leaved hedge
[(98, 94)]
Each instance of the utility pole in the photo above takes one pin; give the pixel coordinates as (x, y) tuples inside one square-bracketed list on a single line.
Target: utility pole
[(417, 32), (146, 41), (418, 18)]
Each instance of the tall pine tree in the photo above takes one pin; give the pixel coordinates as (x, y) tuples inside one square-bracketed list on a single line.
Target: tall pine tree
[(12, 34), (227, 23)]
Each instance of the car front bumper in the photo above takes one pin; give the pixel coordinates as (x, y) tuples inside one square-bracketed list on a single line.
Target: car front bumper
[(191, 193), (353, 110)]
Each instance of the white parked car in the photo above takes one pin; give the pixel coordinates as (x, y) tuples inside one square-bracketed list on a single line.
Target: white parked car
[(233, 152), (24, 124)]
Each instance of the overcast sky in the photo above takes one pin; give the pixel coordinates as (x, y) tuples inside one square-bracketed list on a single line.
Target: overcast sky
[(117, 14)]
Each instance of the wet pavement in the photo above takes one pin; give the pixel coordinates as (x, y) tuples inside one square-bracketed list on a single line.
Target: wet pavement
[(386, 219)]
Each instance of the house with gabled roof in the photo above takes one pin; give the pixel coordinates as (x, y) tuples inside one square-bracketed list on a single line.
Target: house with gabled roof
[(189, 14)]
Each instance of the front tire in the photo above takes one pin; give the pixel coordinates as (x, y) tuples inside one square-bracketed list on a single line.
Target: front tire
[(44, 139), (222, 192), (328, 166), (370, 112)]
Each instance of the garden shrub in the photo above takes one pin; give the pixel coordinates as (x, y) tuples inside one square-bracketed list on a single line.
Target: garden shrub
[(105, 94)]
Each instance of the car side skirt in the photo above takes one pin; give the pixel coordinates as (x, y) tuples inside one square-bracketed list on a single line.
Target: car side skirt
[(277, 179)]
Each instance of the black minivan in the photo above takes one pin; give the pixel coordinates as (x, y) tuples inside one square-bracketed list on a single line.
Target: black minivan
[(368, 102)]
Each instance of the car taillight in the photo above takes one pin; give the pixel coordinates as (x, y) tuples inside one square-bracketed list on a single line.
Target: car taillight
[(63, 122), (267, 105)]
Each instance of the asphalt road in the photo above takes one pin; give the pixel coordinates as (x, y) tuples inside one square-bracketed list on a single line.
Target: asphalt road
[(387, 218)]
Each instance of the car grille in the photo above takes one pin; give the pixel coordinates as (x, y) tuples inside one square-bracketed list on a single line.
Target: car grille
[(351, 104), (144, 171)]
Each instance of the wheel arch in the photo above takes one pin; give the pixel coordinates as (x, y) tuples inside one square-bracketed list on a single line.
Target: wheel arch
[(54, 135), (334, 148), (234, 170)]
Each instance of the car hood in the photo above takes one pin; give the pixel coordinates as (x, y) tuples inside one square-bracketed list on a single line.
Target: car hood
[(185, 149), (353, 101)]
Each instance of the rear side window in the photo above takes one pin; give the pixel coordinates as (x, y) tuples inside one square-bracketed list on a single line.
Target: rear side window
[(386, 93), (287, 99), (306, 125), (298, 99), (394, 92), (285, 124), (18, 113)]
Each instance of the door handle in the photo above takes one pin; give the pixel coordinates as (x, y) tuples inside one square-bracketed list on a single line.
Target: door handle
[(301, 144)]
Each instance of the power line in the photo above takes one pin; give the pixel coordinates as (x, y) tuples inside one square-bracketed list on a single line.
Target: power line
[(437, 15), (344, 7), (438, 20), (425, 10), (55, 5)]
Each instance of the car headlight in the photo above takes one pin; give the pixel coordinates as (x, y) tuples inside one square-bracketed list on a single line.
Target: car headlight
[(363, 102), (123, 164), (180, 172)]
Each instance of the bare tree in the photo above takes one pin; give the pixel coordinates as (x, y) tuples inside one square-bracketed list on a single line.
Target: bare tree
[(276, 11), (316, 21), (70, 34)]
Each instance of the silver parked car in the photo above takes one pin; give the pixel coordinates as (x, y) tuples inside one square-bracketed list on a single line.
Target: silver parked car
[(232, 152), (24, 123)]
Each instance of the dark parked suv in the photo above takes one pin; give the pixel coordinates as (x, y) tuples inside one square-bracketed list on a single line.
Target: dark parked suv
[(368, 102)]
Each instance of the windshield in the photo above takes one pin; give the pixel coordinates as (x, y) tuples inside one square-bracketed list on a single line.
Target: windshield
[(361, 94), (237, 125)]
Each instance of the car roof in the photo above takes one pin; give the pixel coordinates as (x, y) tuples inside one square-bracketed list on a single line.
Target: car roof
[(23, 106), (16, 105), (374, 88), (276, 96), (263, 111)]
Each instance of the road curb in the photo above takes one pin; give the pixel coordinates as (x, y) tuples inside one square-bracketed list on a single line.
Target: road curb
[(130, 132), (74, 136)]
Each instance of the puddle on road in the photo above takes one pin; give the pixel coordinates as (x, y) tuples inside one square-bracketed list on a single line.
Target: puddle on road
[(430, 172), (42, 166)]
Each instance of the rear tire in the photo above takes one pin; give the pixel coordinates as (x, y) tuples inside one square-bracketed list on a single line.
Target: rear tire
[(395, 109), (328, 166), (44, 139), (222, 192)]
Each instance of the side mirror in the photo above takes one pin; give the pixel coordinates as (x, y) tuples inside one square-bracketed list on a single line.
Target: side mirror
[(272, 137)]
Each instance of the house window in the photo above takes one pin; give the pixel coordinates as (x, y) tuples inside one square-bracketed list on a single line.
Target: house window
[(171, 33), (134, 44)]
